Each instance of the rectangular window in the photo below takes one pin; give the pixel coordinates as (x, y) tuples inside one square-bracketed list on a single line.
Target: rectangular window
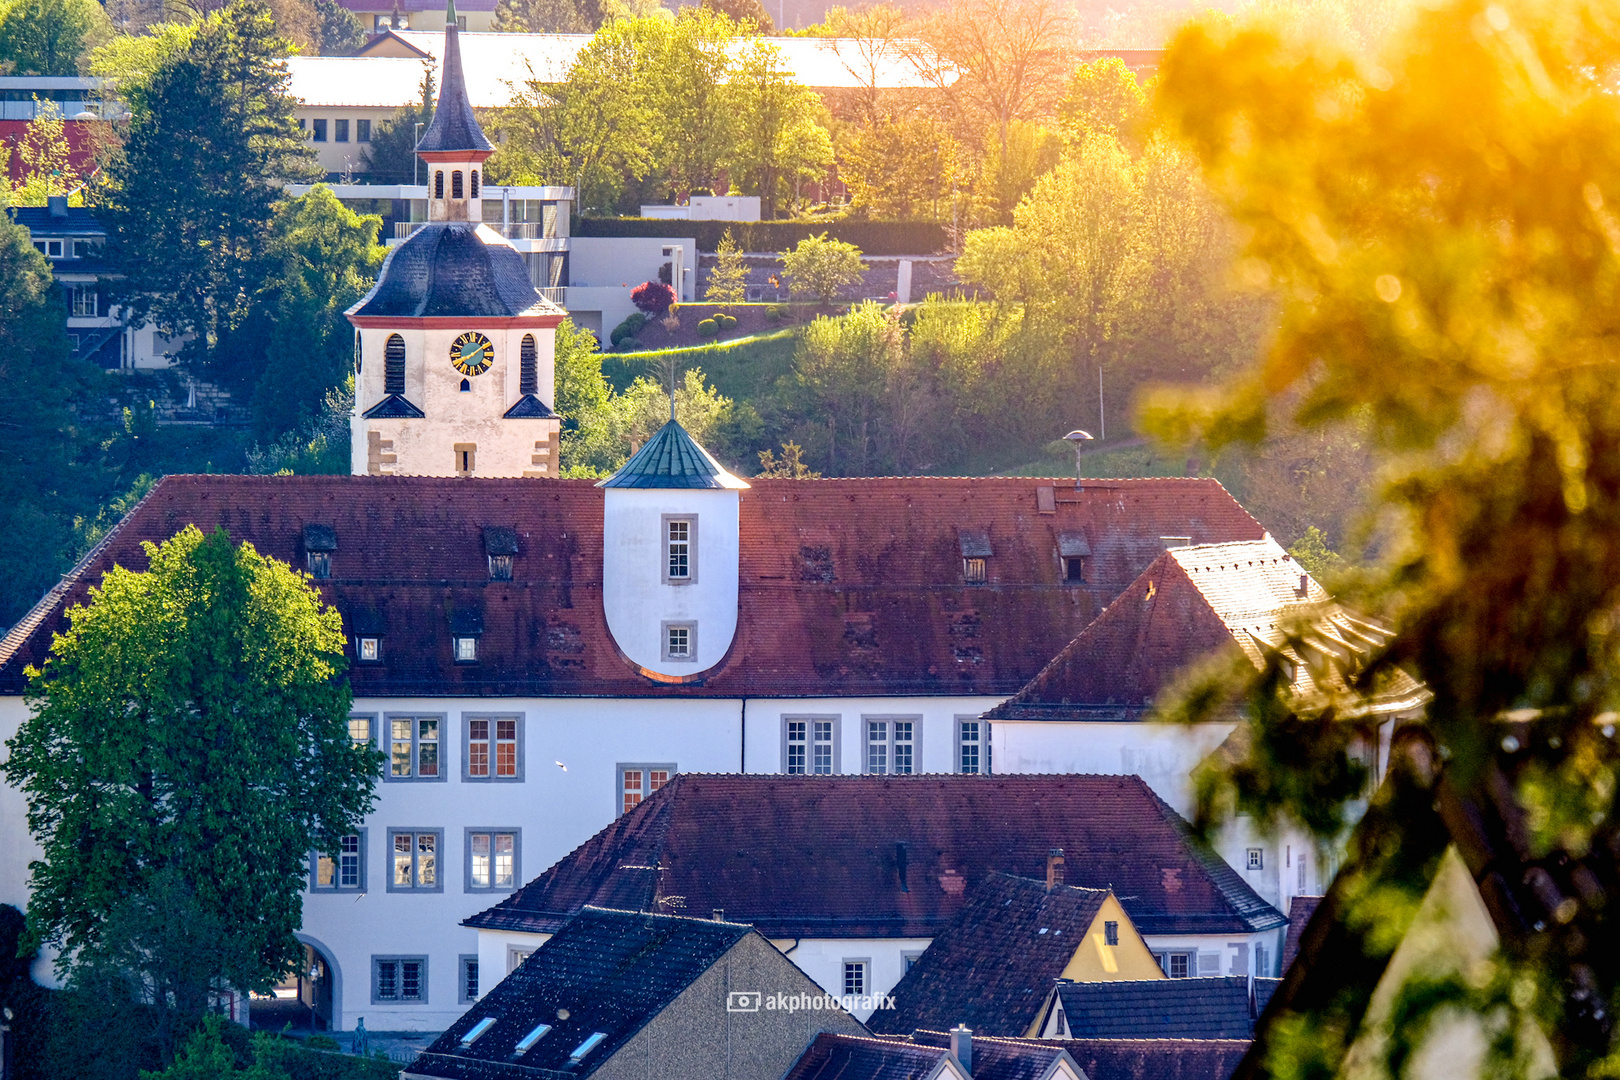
[(500, 568), (84, 249), (340, 131), (467, 984), (680, 550), (368, 650), (318, 130), (360, 729), (1110, 933), (1257, 858), (636, 782), (342, 869), (465, 649), (515, 957), (891, 746), (415, 854), (973, 571), (362, 131), (492, 860), (84, 301), (909, 961), (1177, 965), (399, 979), (680, 641), (320, 564), (53, 248), (855, 977), (970, 746), (492, 748), (1074, 569), (807, 745)]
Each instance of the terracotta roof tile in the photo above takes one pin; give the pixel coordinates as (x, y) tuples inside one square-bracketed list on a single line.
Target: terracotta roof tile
[(994, 965), (1300, 910), (817, 856), (848, 587)]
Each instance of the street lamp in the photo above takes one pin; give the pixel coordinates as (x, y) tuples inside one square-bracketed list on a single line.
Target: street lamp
[(1078, 439), (416, 162)]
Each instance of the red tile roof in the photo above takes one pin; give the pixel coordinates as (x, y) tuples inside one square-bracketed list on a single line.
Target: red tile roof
[(822, 856), (848, 587), (1300, 910)]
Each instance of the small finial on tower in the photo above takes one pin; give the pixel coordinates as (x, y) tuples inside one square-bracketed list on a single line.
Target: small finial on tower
[(450, 12)]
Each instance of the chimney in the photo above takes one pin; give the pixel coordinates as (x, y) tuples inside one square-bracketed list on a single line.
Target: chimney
[(56, 206), (962, 1047), (719, 914), (1303, 590), (1054, 868)]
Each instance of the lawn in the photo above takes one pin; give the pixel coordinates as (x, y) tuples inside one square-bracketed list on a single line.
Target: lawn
[(745, 369)]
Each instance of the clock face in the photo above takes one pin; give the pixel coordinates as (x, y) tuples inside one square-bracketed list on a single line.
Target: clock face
[(472, 353)]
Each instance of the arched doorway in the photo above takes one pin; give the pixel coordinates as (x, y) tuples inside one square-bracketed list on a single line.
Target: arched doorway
[(321, 985)]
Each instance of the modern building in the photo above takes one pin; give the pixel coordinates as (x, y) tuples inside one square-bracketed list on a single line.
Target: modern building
[(622, 994)]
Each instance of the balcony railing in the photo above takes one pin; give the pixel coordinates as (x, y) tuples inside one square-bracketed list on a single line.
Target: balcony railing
[(556, 295)]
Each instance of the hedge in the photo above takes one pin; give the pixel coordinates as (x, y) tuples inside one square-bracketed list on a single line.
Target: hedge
[(302, 1063), (878, 238)]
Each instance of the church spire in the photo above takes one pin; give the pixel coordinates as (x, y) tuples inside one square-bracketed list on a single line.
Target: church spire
[(454, 128)]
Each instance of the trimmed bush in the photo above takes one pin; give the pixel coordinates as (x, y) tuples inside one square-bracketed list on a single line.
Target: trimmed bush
[(876, 239), (629, 328), (708, 328), (724, 321)]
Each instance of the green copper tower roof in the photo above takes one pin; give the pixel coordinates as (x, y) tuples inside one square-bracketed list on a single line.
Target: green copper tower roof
[(672, 459)]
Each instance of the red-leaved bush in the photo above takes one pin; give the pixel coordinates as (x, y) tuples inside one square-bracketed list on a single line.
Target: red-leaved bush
[(653, 297)]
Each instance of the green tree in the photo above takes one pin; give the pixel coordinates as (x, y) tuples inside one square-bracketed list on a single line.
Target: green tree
[(790, 466), (340, 30), (1313, 553), (820, 267), (843, 367), (49, 37), (907, 169), (1439, 227), (189, 203), (328, 257), (749, 12), (729, 278), (47, 160), (692, 97), (769, 106), (390, 158), (187, 747), (584, 401), (541, 17), (1103, 98)]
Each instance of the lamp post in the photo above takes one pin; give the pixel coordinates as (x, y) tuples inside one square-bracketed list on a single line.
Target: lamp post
[(416, 162), (1078, 440)]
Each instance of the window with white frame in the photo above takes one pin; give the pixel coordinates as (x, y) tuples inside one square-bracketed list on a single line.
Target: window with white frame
[(493, 748), (515, 955), (855, 980), (368, 650), (344, 868), (891, 746), (1257, 858), (973, 571), (467, 980), (464, 647), (84, 301), (636, 782), (414, 748), (972, 746), (680, 641), (415, 860), (320, 564), (1177, 965), (909, 960), (809, 745), (492, 860), (399, 980), (680, 550)]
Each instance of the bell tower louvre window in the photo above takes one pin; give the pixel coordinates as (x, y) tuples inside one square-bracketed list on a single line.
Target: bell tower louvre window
[(438, 183), (528, 375), (455, 185), (474, 178), (394, 365)]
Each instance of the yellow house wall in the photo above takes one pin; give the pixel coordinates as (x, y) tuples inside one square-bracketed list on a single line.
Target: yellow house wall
[(1096, 961)]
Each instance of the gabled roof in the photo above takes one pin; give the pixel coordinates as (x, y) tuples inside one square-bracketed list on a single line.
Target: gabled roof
[(607, 972), (887, 856), (1191, 602), (848, 587), (528, 407), (1113, 1059), (672, 459), (453, 126), (1218, 1008), (454, 268), (848, 1057), (79, 221), (1300, 910), (993, 966)]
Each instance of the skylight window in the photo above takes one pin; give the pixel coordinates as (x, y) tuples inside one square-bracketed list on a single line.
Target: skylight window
[(476, 1030), (528, 1041), (586, 1047)]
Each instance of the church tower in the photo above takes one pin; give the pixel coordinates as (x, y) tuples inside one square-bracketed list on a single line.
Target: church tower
[(454, 348)]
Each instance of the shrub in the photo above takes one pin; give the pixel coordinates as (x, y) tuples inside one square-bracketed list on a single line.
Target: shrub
[(724, 321), (629, 328), (653, 297), (708, 328), (821, 267)]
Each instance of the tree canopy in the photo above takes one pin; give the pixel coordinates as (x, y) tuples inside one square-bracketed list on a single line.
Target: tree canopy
[(49, 37)]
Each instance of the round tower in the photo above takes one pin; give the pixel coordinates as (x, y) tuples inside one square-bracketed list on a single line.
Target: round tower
[(454, 347), (670, 556)]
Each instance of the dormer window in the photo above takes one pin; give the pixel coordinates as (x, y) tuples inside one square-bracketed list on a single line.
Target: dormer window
[(368, 650), (680, 550), (466, 649), (320, 564), (465, 629), (1073, 550), (501, 546), (500, 568), (320, 541), (975, 544)]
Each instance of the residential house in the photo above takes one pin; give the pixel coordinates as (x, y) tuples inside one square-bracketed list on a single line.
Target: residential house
[(622, 994), (993, 967), (854, 876), (1127, 1059), (1219, 1008), (382, 16), (963, 1056)]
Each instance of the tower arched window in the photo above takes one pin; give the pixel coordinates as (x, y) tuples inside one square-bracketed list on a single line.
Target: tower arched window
[(394, 365), (357, 352), (475, 183), (528, 375), (455, 185), (438, 183)]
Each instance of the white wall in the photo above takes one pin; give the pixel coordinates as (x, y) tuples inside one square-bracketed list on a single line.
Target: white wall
[(623, 262), (17, 847), (636, 598), (936, 731), (823, 960)]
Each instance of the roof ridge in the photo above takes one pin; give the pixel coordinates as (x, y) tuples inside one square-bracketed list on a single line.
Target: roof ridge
[(1220, 873)]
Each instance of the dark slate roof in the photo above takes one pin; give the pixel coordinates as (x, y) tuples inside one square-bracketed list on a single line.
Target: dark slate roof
[(611, 971), (38, 220), (731, 842), (848, 587), (454, 268), (672, 459), (1192, 601), (851, 1057), (1157, 1059), (528, 407), (453, 126), (394, 407), (1159, 1009), (1300, 910), (994, 965), (1263, 989)]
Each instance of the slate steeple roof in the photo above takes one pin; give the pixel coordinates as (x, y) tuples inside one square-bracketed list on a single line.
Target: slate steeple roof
[(672, 459), (453, 127)]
